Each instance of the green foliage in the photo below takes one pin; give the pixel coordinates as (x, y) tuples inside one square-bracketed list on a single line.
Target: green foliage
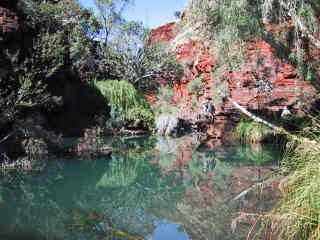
[(56, 16), (177, 14), (252, 132), (65, 31), (110, 14), (164, 108), (30, 87), (121, 173), (31, 91), (299, 208), (293, 59), (139, 117), (142, 64), (61, 38), (123, 95), (231, 23), (129, 107), (295, 122), (49, 54), (297, 215), (196, 86), (165, 93), (165, 97)]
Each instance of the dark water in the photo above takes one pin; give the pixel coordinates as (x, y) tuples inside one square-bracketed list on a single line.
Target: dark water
[(150, 188)]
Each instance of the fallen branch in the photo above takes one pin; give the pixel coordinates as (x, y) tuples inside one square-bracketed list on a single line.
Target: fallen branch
[(259, 185), (272, 126)]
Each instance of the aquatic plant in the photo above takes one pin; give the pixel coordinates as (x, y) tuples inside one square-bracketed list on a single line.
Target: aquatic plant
[(252, 132)]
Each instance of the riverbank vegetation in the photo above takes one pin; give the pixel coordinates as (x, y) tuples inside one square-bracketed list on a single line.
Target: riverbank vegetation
[(129, 107), (65, 53)]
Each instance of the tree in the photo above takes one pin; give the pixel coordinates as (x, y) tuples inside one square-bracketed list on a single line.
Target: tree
[(134, 59), (177, 14), (147, 64), (110, 13)]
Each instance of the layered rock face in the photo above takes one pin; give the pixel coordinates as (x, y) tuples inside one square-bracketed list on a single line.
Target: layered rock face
[(264, 81)]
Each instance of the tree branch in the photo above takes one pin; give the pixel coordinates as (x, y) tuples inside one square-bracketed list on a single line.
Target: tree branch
[(274, 127)]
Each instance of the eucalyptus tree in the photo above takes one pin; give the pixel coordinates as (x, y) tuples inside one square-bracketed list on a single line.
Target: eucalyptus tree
[(110, 13), (135, 59)]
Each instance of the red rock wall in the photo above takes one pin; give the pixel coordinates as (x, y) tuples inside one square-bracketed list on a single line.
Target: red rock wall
[(263, 65), (9, 20), (163, 33)]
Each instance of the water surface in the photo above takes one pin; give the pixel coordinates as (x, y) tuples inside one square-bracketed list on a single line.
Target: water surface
[(150, 188)]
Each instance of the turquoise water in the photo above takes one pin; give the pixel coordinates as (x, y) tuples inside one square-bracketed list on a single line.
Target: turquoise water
[(149, 188)]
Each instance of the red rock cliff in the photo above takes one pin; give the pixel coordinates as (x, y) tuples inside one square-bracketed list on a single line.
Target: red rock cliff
[(265, 81)]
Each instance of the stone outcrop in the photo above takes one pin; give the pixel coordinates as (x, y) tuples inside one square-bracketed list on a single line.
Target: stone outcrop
[(265, 81), (163, 33), (30, 136)]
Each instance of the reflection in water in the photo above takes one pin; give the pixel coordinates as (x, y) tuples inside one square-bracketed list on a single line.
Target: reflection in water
[(152, 188)]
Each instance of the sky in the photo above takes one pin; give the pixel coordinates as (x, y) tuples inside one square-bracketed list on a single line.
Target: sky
[(152, 13)]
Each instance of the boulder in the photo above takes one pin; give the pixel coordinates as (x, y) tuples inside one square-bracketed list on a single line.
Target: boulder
[(29, 136), (168, 125)]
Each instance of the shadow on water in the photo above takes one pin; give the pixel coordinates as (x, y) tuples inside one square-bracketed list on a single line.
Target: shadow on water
[(150, 188)]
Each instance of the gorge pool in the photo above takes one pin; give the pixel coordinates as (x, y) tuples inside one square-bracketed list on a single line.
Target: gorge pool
[(148, 188)]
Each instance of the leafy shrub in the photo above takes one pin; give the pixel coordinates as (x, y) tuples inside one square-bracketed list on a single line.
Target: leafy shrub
[(166, 94), (178, 26), (122, 94), (230, 24), (293, 59), (196, 86), (195, 105), (295, 122), (141, 118), (165, 99)]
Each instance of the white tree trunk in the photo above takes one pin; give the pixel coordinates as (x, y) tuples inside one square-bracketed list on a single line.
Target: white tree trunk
[(272, 126)]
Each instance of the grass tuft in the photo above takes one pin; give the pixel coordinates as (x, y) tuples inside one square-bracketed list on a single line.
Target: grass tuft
[(252, 132)]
